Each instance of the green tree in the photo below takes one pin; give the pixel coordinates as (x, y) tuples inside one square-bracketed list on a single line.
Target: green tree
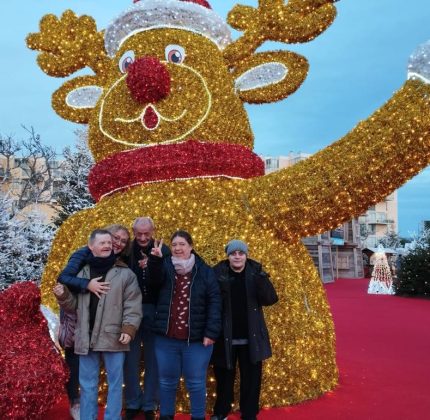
[(414, 269)]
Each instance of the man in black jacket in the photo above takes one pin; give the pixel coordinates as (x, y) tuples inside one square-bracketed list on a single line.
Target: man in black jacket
[(135, 399), (245, 289)]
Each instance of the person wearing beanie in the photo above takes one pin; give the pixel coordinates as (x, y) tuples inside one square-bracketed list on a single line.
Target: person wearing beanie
[(245, 289)]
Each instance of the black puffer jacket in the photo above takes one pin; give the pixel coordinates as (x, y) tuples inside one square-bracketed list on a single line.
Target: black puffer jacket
[(205, 298), (259, 292), (149, 293)]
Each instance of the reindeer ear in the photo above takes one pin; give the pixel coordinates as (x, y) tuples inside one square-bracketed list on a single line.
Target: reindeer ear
[(76, 98), (269, 76)]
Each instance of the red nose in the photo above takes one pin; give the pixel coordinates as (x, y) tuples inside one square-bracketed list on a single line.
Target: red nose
[(148, 80)]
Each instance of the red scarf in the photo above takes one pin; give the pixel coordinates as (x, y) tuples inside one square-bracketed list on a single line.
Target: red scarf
[(179, 161)]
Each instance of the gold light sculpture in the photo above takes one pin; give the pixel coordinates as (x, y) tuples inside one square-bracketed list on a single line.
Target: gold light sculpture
[(186, 158)]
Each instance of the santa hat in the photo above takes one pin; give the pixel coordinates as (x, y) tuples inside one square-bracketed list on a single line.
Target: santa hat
[(191, 15)]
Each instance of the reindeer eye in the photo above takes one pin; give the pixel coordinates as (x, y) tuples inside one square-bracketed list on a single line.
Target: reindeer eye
[(126, 59), (175, 54)]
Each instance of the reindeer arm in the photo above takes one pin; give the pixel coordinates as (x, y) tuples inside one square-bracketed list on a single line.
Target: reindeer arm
[(343, 180)]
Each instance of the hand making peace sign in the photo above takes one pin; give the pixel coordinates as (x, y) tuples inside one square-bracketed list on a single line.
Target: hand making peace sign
[(156, 251)]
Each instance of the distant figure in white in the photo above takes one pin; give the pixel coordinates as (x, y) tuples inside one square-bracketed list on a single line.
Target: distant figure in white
[(381, 282)]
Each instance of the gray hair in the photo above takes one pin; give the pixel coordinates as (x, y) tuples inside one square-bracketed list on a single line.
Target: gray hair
[(143, 221)]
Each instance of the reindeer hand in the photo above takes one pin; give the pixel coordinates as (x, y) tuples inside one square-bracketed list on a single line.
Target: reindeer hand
[(277, 20), (67, 44)]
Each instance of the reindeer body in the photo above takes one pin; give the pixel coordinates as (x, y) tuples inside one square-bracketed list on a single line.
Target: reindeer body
[(141, 122), (214, 210)]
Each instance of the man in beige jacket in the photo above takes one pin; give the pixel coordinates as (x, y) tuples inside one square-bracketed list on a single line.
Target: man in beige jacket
[(105, 326)]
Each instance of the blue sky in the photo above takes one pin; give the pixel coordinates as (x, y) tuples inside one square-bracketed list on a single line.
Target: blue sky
[(355, 66)]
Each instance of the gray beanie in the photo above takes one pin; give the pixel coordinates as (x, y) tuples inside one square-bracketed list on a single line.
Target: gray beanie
[(236, 245)]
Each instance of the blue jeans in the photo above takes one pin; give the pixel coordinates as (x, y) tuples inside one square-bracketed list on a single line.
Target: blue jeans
[(176, 358), (89, 371), (134, 397)]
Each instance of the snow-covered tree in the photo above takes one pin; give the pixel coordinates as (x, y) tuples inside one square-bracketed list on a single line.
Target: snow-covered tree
[(382, 280), (391, 240), (73, 195), (6, 239), (36, 237), (25, 240), (413, 276)]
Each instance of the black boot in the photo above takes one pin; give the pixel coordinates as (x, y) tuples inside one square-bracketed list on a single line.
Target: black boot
[(130, 413), (150, 415), (218, 417), (166, 417)]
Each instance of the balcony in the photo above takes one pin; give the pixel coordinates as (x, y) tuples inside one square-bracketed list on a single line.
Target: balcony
[(378, 218)]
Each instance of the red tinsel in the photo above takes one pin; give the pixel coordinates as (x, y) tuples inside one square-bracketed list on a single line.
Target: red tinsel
[(201, 2), (148, 80), (191, 159), (33, 373)]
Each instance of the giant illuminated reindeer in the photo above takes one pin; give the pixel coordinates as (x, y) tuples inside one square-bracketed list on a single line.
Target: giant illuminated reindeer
[(171, 139)]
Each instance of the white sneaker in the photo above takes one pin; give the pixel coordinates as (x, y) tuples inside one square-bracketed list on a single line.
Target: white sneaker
[(75, 410)]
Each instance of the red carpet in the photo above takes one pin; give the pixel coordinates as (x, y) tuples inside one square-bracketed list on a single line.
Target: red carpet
[(383, 345)]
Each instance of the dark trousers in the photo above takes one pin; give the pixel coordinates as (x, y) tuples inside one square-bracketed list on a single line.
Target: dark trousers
[(250, 385), (72, 385)]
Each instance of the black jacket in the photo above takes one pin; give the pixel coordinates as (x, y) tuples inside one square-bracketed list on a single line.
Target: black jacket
[(69, 275), (149, 292), (205, 298), (259, 292)]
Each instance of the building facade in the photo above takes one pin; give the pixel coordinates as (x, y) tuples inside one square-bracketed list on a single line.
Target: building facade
[(32, 183), (379, 220)]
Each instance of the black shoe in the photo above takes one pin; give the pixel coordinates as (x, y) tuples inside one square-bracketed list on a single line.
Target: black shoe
[(130, 413), (150, 415), (218, 417), (166, 417)]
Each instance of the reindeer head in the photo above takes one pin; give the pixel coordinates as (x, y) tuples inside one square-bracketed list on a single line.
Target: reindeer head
[(166, 71)]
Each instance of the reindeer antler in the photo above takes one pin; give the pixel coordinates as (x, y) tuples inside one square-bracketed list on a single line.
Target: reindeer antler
[(68, 44), (274, 20)]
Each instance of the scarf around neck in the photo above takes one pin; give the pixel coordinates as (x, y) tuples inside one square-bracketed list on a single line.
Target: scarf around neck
[(102, 264), (182, 266)]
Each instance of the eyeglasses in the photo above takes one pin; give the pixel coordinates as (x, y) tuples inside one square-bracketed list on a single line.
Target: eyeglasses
[(118, 239)]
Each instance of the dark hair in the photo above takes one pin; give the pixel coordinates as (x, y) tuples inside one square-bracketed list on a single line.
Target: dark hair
[(182, 234), (96, 232)]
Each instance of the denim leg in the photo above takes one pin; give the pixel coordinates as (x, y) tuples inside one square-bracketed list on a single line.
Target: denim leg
[(72, 385), (195, 361), (114, 362), (168, 354), (89, 369), (132, 390), (151, 393)]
